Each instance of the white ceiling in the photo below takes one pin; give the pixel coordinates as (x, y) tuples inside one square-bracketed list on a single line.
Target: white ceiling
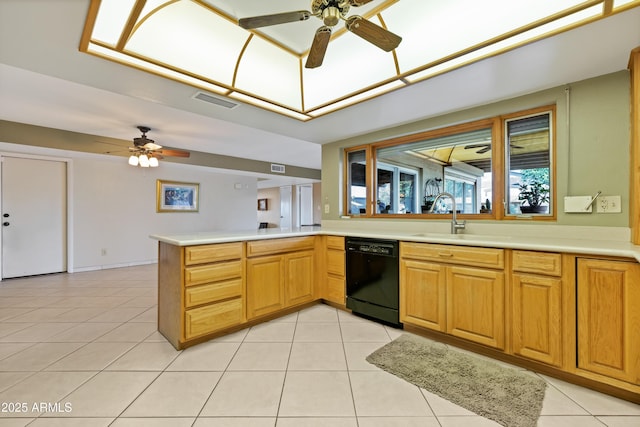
[(46, 81)]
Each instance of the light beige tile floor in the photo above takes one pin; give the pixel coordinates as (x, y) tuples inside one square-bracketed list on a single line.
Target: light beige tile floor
[(83, 350)]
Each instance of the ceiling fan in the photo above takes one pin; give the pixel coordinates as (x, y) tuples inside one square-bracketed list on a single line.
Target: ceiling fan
[(330, 11), (145, 145), (485, 147)]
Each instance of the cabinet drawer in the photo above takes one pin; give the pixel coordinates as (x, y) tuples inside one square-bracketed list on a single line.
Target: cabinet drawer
[(335, 262), (202, 274), (537, 262), (196, 295), (482, 257), (275, 246), (335, 242), (212, 253), (203, 320)]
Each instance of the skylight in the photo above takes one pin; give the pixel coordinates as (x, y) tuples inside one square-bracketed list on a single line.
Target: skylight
[(199, 43)]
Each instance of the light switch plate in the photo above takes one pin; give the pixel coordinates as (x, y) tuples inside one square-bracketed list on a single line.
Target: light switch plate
[(577, 204)]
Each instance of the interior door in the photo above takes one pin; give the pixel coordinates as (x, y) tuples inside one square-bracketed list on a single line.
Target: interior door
[(34, 229), (285, 207), (306, 204)]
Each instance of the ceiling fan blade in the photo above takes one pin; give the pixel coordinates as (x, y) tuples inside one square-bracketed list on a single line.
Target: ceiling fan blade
[(152, 146), (318, 47), (172, 153), (275, 19), (357, 3), (373, 33)]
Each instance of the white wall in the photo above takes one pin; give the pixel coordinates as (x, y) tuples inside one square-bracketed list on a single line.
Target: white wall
[(113, 206)]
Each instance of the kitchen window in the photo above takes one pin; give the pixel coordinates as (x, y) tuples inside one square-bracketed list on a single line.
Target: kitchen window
[(401, 177), (528, 153)]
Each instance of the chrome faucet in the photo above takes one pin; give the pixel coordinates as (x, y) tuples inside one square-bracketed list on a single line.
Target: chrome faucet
[(455, 225)]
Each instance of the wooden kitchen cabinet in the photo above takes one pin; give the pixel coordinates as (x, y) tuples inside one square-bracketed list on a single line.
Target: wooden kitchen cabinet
[(537, 306), (280, 274), (299, 271), (335, 270), (423, 294), (454, 289), (201, 290), (265, 285), (609, 318), (475, 305)]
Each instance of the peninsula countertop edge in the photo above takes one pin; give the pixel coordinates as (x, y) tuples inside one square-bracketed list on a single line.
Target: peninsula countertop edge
[(546, 244)]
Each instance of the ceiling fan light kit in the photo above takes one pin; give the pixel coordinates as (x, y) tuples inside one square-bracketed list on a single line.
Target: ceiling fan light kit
[(146, 153)]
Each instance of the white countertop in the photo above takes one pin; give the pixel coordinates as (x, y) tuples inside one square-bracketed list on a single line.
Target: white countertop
[(588, 246)]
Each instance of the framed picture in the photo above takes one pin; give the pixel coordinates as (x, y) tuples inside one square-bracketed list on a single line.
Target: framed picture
[(262, 204), (174, 196)]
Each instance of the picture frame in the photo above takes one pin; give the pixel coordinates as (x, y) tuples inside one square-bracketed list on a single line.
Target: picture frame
[(176, 196), (262, 205)]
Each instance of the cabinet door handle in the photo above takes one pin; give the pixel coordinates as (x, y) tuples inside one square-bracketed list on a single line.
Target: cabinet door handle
[(445, 254)]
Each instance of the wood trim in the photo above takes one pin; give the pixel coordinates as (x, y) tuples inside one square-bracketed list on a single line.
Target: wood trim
[(130, 25), (607, 7), (90, 22), (634, 176), (498, 206), (496, 123), (346, 203), (434, 133), (370, 173), (553, 165)]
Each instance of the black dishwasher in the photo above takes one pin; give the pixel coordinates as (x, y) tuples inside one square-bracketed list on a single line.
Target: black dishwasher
[(372, 279)]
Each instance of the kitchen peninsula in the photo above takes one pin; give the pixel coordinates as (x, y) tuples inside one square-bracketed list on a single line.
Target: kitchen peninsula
[(540, 302)]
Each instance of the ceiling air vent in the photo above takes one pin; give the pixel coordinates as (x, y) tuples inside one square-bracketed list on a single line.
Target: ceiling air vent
[(215, 100), (277, 168)]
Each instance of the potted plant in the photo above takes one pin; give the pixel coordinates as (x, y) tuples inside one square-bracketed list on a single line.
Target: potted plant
[(534, 194)]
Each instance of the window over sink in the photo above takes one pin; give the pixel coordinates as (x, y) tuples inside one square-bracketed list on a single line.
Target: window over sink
[(492, 167)]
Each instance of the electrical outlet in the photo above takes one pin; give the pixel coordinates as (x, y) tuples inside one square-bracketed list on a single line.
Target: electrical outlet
[(103, 251), (609, 204), (326, 208)]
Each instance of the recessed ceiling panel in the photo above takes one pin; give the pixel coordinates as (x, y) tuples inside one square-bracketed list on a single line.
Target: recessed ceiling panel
[(449, 27), (270, 72), (112, 17), (264, 66), (296, 36), (186, 36), (350, 65)]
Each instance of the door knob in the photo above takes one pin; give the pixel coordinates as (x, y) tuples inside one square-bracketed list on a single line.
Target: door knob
[(6, 223)]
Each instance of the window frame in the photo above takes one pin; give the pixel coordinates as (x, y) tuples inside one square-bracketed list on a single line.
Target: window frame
[(553, 209), (499, 162)]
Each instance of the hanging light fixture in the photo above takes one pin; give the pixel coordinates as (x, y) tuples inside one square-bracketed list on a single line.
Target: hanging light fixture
[(144, 160)]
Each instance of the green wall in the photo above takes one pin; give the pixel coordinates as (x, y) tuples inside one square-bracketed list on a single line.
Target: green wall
[(592, 144), (25, 134)]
